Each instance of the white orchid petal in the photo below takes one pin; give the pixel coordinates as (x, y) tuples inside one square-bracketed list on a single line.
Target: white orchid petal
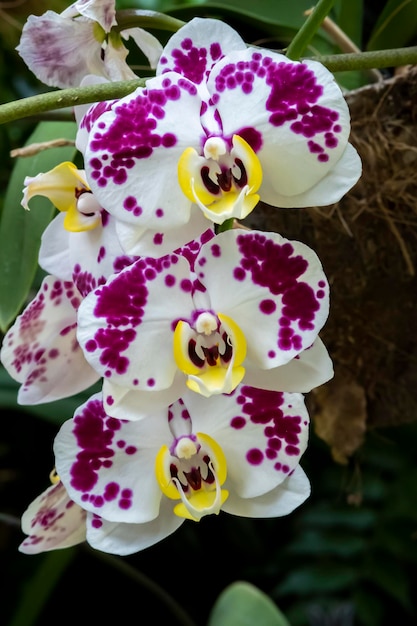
[(127, 404), (309, 369), (126, 326), (196, 47), (280, 501), (293, 115), (107, 465), (330, 189), (150, 45), (71, 52), (154, 243), (276, 293), (40, 350), (131, 158), (52, 521), (101, 11), (124, 539), (262, 434)]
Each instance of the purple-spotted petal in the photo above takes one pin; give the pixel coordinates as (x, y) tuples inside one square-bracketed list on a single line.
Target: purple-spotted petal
[(101, 11), (41, 351), (107, 465), (262, 434), (276, 293), (132, 153), (59, 50), (128, 404), (123, 539), (126, 326), (309, 369), (196, 47), (52, 521), (155, 243), (293, 115), (280, 501), (87, 258)]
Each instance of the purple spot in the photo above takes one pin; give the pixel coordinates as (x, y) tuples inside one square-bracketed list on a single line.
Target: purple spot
[(97, 522), (238, 422), (216, 250), (239, 273), (255, 456), (94, 441), (111, 491), (267, 306), (252, 136), (186, 285)]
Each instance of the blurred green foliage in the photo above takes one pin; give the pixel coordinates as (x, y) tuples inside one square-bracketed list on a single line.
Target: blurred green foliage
[(347, 556)]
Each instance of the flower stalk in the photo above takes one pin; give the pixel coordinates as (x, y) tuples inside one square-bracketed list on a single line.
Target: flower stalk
[(34, 105), (306, 33)]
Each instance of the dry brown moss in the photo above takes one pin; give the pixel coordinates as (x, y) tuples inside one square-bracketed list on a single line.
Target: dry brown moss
[(368, 246)]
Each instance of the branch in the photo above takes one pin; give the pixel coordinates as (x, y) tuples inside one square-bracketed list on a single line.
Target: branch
[(59, 99)]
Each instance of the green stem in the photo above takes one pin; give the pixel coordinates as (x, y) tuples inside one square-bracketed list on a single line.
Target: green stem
[(63, 98), (131, 18), (369, 60), (137, 576), (307, 31), (66, 98)]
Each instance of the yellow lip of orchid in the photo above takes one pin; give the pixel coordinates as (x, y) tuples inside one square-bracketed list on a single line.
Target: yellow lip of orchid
[(210, 378), (207, 499), (203, 181), (64, 185)]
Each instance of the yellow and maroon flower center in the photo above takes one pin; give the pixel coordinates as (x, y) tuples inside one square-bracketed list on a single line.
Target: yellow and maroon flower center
[(210, 353), (193, 470), (223, 182)]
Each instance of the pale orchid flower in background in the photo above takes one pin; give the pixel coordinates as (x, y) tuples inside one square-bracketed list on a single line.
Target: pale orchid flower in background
[(41, 351), (61, 49), (52, 521), (139, 480), (220, 126), (239, 306)]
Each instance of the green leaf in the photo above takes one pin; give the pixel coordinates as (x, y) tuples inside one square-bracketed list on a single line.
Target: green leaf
[(243, 604), (350, 19), (391, 577), (39, 588), (55, 412), (396, 26), (318, 579), (20, 230), (266, 22)]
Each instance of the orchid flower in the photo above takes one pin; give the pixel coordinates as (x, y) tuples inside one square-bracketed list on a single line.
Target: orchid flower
[(219, 127), (41, 350), (67, 188), (238, 306), (61, 49), (237, 453), (53, 521)]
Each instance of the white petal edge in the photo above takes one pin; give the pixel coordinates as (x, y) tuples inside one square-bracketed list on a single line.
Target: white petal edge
[(276, 503)]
